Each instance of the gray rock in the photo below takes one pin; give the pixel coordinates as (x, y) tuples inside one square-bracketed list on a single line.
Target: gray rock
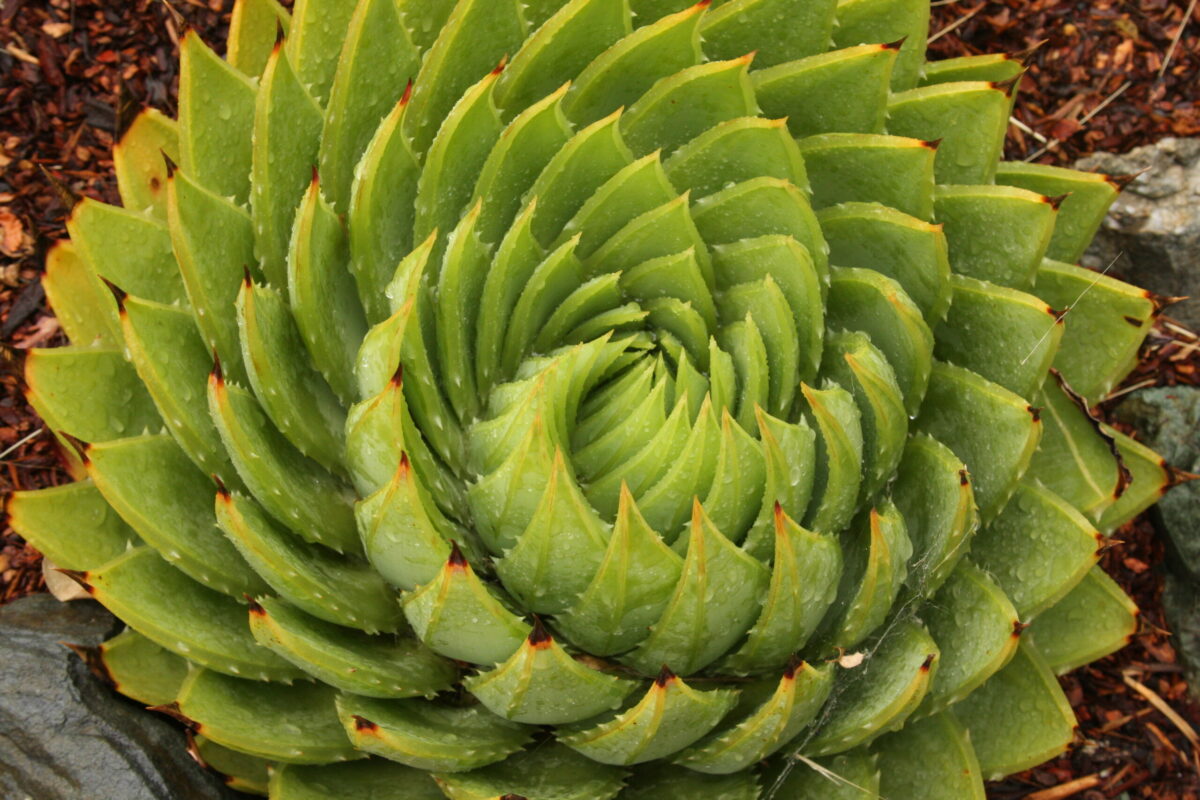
[(1181, 604), (64, 735), (1155, 224)]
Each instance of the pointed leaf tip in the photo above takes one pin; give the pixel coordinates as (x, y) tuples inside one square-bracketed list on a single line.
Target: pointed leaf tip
[(896, 45), (408, 89), (217, 375), (398, 376), (172, 710), (456, 560), (1034, 412), (1019, 627), (1006, 86), (539, 637), (665, 677), (365, 725), (222, 491), (927, 664), (1056, 201), (79, 577)]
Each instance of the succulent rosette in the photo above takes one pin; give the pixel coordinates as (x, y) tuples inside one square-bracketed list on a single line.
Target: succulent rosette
[(609, 398)]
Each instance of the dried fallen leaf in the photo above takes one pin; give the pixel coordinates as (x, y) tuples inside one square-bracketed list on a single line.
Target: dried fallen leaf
[(56, 30), (14, 241)]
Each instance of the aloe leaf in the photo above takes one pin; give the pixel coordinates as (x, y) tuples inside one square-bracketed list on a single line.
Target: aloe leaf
[(790, 456), (1005, 335), (677, 276), (126, 248), (1038, 548), (838, 479), (774, 30), (376, 62), (977, 630), (668, 503), (1076, 459), (1106, 323), (253, 28), (695, 629), (670, 716), (678, 108), (636, 189), (1019, 718), (566, 43), (1089, 196), (213, 241), (1095, 619), (768, 716), (661, 231), (474, 39), (294, 489), (424, 19), (804, 581), (617, 77), (293, 394), (1149, 479), (629, 591), (647, 11), (322, 293), (294, 724), (878, 696), (314, 42), (540, 684), (287, 132), (83, 305), (241, 772), (909, 251), (840, 91), (904, 21), (992, 430), (996, 233), (559, 553), (172, 361), (876, 550), (341, 590), (180, 615), (52, 518), (90, 393), (380, 221), (159, 492), (429, 735), (387, 666), (765, 303), (933, 492), (932, 760), (541, 771), (458, 291), (139, 164), (852, 361), (969, 117), (736, 151), (894, 171), (849, 776), (870, 302), (457, 615), (372, 777), (998, 67), (216, 119), (140, 669)]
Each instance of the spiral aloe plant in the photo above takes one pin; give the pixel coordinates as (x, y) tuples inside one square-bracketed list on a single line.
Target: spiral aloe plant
[(572, 400)]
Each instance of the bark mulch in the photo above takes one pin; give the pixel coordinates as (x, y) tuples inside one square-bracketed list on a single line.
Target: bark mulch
[(1108, 75)]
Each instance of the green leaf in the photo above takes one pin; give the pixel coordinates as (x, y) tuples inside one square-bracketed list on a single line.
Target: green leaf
[(998, 67), (849, 776), (294, 724), (51, 520), (1038, 548), (736, 151), (90, 393), (541, 684), (241, 772), (169, 608), (1089, 196), (139, 164), (789, 454), (995, 233), (429, 735), (1005, 335), (903, 21), (625, 71), (977, 630), (377, 778), (128, 249), (670, 716), (338, 589), (140, 669), (774, 30), (459, 288), (765, 303), (832, 413), (1018, 719), (287, 133), (636, 189), (83, 305), (314, 42), (931, 760), (894, 171), (879, 695), (680, 107), (1096, 618), (216, 120), (376, 62), (387, 666), (843, 91), (1150, 478), (657, 781), (294, 489), (253, 28), (992, 430), (969, 117), (159, 492), (667, 504), (546, 770)]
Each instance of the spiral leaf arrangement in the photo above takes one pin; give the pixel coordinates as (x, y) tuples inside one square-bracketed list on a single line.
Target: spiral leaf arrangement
[(606, 398)]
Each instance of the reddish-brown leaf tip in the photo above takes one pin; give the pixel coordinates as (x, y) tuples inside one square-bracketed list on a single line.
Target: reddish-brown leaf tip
[(118, 294), (80, 577), (1121, 182), (927, 664), (456, 560), (408, 89), (172, 711), (1006, 86), (896, 45), (398, 376), (222, 492), (1019, 627), (1034, 412), (1056, 201), (364, 725), (794, 664), (247, 281), (256, 609), (665, 677), (932, 144), (703, 4), (964, 477), (170, 164), (539, 637)]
